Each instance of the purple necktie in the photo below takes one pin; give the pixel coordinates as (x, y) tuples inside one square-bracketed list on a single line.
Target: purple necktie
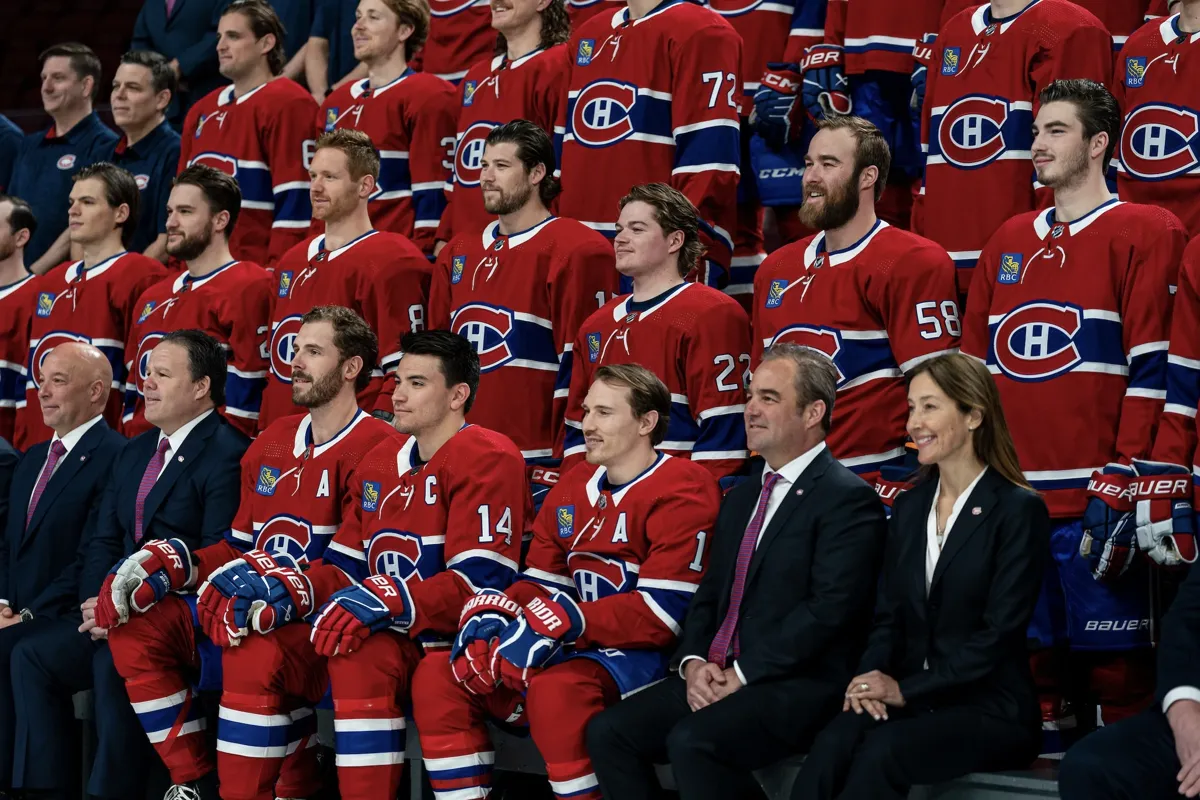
[(170, 7), (718, 651), (148, 478), (57, 451)]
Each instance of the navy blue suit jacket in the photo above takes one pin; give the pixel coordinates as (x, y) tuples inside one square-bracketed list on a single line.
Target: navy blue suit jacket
[(34, 559), (190, 35), (194, 499)]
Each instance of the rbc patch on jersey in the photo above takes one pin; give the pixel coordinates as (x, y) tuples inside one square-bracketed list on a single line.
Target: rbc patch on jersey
[(1010, 268), (45, 304), (1135, 72), (370, 496), (331, 118), (285, 283), (146, 311), (469, 92), (950, 60), (456, 268), (199, 126), (565, 516), (267, 478), (775, 293), (593, 340), (587, 47)]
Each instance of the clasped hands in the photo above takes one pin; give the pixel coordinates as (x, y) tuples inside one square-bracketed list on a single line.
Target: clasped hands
[(872, 693)]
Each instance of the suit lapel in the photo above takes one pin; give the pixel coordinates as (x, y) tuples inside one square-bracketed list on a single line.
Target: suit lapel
[(178, 464), (977, 508), (912, 556), (797, 494), (174, 9), (72, 462)]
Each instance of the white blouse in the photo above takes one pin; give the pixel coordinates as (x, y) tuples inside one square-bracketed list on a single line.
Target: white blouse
[(932, 551)]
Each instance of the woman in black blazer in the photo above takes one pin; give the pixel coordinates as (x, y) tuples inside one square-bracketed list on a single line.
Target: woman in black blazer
[(945, 687)]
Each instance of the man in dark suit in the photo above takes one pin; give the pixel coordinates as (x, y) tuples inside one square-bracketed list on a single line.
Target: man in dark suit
[(179, 480), (777, 625), (52, 502), (185, 31)]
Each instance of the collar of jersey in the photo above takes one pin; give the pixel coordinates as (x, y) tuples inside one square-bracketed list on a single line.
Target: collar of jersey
[(317, 245), (408, 455), (621, 309), (501, 61), (621, 17), (304, 435), (1044, 222), (77, 269), (196, 283), (597, 480), (817, 247), (356, 90), (982, 18), (226, 96), (5, 291), (491, 234), (1169, 30)]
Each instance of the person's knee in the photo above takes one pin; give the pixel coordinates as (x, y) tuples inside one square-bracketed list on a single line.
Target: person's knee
[(551, 693), (435, 692), (1081, 775), (144, 642), (250, 668), (687, 740), (603, 733)]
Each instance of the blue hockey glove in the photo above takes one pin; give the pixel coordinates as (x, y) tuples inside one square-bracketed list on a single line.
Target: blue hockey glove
[(538, 635), (354, 613), (1109, 540), (826, 90), (1162, 496)]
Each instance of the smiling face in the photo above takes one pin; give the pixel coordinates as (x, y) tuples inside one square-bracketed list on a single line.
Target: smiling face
[(515, 15), (641, 245), (936, 424), (134, 102), (1060, 150), (831, 196), (172, 397), (239, 53), (774, 421), (334, 193), (90, 219), (610, 428), (66, 392), (62, 89), (377, 31)]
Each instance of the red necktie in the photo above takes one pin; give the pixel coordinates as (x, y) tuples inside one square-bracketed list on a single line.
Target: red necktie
[(148, 478), (719, 650), (57, 451)]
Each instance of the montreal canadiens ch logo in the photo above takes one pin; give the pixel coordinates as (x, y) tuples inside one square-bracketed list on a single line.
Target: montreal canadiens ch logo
[(596, 576), (971, 133), (487, 329), (468, 157), (734, 8), (1160, 142), (394, 553), (287, 535), (226, 164), (148, 343), (448, 8), (1036, 341), (283, 347), (44, 346), (825, 341), (602, 115)]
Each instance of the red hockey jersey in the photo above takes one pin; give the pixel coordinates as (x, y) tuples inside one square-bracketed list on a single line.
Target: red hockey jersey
[(78, 304), (382, 277), (697, 341), (460, 33), (411, 123), (1073, 319), (497, 91), (1121, 17), (632, 554), (17, 303), (294, 491), (264, 139), (771, 32), (1158, 160), (654, 99), (877, 309), (232, 304), (1176, 441), (520, 300), (581, 10), (880, 34), (980, 102), (447, 527)]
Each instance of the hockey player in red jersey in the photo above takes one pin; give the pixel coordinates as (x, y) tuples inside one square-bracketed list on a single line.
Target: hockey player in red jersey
[(618, 551), (1158, 161), (693, 337), (989, 64), (381, 276), (875, 299), (436, 518), (18, 299), (1074, 303), (227, 299), (166, 645), (518, 291), (91, 300), (258, 130), (525, 79), (408, 115), (653, 97)]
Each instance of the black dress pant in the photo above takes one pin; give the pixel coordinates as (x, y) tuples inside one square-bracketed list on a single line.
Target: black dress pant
[(9, 637), (1133, 759), (857, 758), (711, 751)]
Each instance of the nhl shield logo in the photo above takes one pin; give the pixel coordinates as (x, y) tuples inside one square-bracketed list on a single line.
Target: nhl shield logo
[(950, 58), (775, 293), (45, 304), (593, 342), (1010, 268), (469, 92), (146, 311), (331, 118), (565, 516), (1058, 230), (285, 283), (1135, 72), (267, 478), (456, 268), (370, 496), (587, 48)]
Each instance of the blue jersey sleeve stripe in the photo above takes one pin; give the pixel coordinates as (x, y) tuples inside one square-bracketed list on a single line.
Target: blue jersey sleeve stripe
[(724, 433), (1148, 371), (293, 205), (718, 145)]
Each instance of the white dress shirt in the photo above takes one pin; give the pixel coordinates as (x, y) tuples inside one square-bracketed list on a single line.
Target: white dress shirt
[(177, 438), (932, 551), (789, 473)]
